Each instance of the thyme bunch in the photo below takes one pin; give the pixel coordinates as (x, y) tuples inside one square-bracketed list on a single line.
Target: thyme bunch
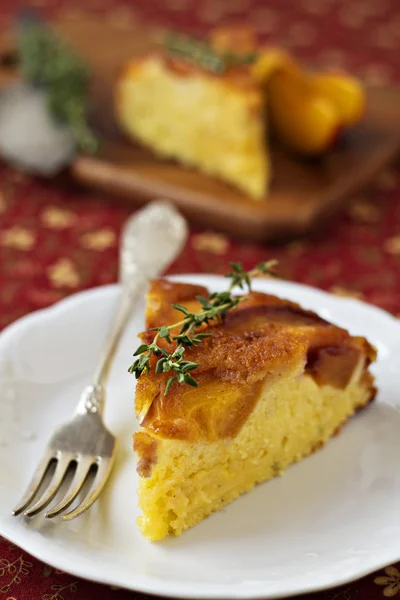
[(47, 61), (214, 308)]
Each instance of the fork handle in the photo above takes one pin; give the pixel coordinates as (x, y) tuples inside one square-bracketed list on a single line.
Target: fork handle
[(93, 396), (123, 313)]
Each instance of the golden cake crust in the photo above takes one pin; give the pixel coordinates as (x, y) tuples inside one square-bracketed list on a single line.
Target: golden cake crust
[(233, 40), (241, 77), (264, 338)]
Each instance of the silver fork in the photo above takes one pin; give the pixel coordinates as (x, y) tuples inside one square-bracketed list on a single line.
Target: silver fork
[(151, 239)]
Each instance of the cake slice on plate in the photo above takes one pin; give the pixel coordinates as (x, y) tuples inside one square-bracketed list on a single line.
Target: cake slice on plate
[(275, 382)]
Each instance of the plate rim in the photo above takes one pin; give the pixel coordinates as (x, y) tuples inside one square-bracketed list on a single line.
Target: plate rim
[(32, 543)]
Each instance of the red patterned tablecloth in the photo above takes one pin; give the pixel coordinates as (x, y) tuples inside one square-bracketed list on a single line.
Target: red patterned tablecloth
[(54, 242)]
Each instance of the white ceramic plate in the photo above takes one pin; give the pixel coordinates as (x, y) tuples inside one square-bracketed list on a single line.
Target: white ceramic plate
[(332, 518)]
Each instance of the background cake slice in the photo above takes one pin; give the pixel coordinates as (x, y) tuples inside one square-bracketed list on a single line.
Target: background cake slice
[(215, 104), (210, 118), (275, 383)]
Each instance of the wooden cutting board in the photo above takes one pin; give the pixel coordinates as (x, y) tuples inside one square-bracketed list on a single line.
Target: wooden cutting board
[(303, 193)]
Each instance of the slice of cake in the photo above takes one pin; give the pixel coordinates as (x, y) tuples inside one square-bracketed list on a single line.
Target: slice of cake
[(275, 382), (188, 102), (212, 104)]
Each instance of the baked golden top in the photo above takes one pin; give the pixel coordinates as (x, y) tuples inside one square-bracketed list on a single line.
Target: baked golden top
[(232, 40), (261, 340)]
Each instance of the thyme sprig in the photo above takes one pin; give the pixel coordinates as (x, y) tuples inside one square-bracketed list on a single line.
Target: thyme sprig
[(214, 308), (200, 53)]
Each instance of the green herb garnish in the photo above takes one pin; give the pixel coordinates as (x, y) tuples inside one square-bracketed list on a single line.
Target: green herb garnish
[(214, 308), (46, 61), (200, 53)]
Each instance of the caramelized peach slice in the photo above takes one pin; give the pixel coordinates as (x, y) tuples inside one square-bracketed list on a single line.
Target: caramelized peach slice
[(333, 366), (237, 39)]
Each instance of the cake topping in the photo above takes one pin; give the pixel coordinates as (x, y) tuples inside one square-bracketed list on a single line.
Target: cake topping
[(170, 355), (202, 54), (260, 343)]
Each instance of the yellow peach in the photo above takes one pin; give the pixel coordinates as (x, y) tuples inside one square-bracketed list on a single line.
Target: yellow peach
[(345, 92), (305, 121)]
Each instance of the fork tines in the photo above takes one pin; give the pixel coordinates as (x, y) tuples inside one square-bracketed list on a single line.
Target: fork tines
[(77, 472)]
